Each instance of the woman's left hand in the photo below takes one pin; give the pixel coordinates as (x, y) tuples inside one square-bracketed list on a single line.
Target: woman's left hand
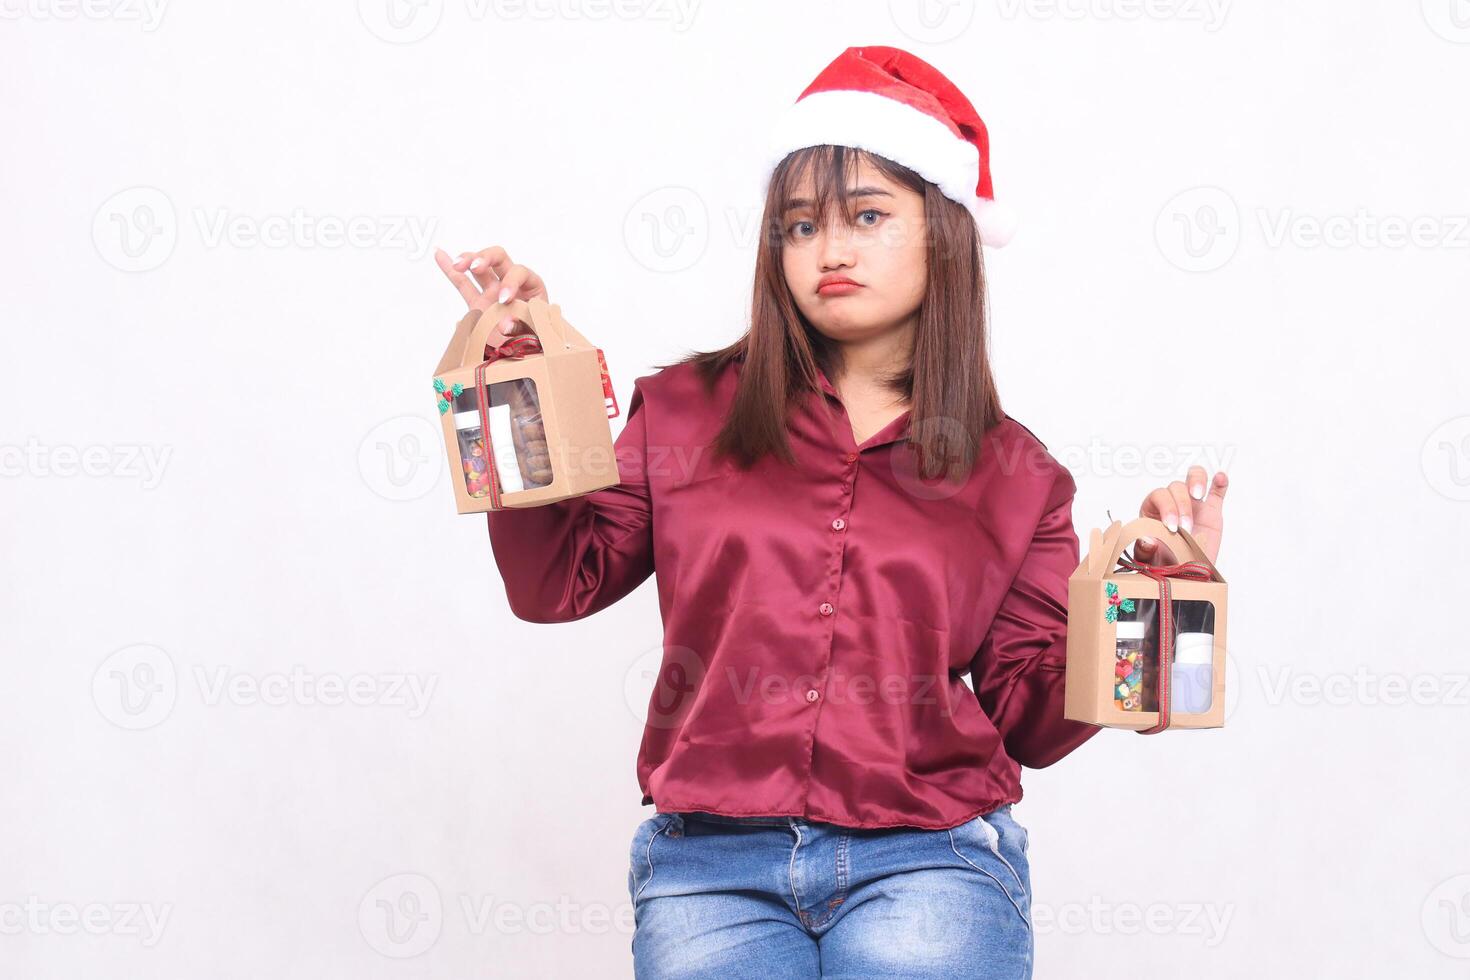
[(1195, 503)]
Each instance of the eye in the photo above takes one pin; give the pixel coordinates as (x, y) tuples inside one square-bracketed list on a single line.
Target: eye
[(877, 215), (794, 229)]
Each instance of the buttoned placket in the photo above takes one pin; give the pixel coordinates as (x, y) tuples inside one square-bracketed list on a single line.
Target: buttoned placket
[(827, 609)]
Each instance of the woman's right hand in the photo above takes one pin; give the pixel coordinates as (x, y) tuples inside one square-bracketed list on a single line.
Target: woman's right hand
[(487, 277)]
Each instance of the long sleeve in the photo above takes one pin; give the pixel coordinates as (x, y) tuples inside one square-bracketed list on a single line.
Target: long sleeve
[(569, 559), (1019, 670)]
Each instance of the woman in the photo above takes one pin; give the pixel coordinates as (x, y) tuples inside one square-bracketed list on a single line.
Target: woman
[(843, 524)]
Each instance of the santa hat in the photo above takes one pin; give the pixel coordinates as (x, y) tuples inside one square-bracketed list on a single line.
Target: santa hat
[(891, 103)]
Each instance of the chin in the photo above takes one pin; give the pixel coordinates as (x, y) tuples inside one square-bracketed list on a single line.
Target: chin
[(846, 325)]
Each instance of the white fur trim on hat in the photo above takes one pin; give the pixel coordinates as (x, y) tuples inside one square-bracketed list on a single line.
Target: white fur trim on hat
[(901, 133)]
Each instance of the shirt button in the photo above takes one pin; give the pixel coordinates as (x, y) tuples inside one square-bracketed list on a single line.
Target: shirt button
[(826, 609), (852, 457), (839, 524), (812, 695)]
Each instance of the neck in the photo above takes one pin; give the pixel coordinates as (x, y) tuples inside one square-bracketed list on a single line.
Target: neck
[(865, 364)]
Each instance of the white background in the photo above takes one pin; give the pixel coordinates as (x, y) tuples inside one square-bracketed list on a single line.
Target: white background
[(221, 462)]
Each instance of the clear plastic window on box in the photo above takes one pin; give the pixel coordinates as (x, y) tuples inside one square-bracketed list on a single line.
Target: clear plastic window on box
[(517, 435), (1190, 662)]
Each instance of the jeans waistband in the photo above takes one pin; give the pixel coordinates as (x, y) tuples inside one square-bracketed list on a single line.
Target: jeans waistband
[(764, 821)]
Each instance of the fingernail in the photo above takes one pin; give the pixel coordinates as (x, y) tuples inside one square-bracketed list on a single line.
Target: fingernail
[(1146, 542), (1198, 492), (477, 263), (505, 294), (1170, 522), (1188, 522)]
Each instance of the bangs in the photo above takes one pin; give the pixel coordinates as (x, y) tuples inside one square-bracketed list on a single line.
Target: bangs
[(830, 170)]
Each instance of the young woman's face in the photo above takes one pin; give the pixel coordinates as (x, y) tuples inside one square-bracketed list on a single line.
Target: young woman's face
[(883, 253)]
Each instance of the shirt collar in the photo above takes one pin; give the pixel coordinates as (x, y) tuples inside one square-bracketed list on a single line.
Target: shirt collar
[(892, 432), (826, 385)]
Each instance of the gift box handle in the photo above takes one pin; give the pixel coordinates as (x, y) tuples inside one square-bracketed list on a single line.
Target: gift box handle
[(1103, 560), (536, 314)]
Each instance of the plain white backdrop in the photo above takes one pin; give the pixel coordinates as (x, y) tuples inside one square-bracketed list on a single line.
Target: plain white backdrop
[(265, 710)]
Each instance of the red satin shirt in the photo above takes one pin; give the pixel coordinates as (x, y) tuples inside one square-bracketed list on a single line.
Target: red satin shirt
[(818, 621)]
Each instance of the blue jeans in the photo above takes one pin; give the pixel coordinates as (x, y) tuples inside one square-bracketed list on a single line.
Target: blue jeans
[(781, 897)]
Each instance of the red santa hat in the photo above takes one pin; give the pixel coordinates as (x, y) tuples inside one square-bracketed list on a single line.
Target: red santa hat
[(891, 103)]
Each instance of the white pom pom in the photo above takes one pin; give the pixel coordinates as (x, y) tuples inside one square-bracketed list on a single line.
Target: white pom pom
[(997, 222)]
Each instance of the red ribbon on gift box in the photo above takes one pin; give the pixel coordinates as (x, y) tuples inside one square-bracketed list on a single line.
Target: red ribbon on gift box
[(517, 347), (1195, 570)]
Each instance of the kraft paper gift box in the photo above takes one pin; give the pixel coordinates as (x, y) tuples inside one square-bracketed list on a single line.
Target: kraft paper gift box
[(525, 423), (1119, 619)]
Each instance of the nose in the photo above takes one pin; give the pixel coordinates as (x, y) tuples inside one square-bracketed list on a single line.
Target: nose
[(836, 249)]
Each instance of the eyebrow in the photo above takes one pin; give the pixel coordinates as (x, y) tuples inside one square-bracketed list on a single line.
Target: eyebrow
[(801, 202)]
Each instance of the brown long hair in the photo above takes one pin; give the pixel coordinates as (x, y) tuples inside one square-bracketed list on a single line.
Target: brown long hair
[(948, 381)]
